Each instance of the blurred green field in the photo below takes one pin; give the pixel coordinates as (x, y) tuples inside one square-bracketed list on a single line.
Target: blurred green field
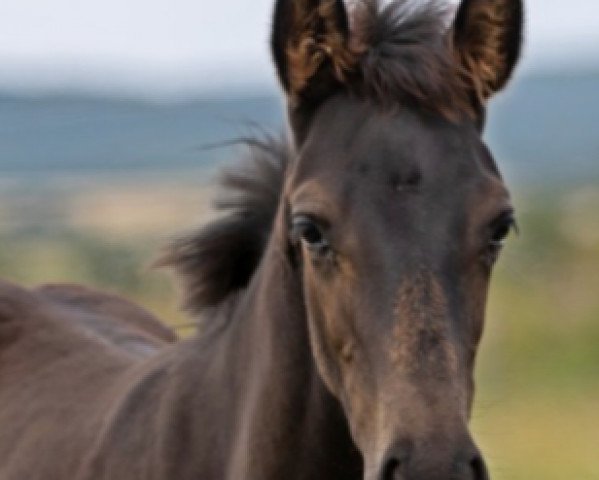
[(537, 409)]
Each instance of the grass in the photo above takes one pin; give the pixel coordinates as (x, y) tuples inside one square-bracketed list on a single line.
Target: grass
[(537, 408), (545, 434)]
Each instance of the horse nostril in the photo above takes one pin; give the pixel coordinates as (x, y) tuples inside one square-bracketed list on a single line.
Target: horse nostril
[(478, 469), (392, 470), (396, 460)]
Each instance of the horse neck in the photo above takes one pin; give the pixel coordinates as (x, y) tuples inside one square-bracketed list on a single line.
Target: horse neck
[(245, 401), (284, 399)]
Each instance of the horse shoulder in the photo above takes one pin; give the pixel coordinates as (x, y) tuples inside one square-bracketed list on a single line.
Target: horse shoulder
[(67, 355), (112, 318), (14, 300), (16, 307)]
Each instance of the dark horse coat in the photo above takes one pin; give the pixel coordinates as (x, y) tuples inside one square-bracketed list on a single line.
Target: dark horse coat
[(341, 292)]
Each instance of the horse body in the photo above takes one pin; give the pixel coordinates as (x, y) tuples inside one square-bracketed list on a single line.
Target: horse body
[(342, 291), (64, 351), (79, 405)]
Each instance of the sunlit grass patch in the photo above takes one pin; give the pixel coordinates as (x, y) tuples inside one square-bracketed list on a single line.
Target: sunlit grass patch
[(544, 435)]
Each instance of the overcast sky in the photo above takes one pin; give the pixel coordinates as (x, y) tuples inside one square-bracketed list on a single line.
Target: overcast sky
[(183, 46)]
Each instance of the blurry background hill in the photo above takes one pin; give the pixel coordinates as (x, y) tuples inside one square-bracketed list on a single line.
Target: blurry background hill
[(110, 120), (544, 129)]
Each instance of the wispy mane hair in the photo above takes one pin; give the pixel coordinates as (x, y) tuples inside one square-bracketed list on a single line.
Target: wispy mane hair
[(220, 258), (404, 54)]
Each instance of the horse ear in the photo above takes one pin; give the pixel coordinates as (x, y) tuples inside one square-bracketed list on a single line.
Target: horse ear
[(487, 39), (310, 46)]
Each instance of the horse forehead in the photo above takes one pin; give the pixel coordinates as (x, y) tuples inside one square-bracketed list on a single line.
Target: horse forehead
[(358, 151), (349, 135)]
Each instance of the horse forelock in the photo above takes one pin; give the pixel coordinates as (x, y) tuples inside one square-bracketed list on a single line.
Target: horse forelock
[(405, 54)]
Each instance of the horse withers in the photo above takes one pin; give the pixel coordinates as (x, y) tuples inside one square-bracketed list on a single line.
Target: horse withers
[(341, 292)]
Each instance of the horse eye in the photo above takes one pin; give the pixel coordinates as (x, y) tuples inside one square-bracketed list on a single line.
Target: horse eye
[(307, 230), (500, 230), (500, 234)]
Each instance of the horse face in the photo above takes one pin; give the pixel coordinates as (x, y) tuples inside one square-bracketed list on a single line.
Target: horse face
[(396, 221), (396, 213)]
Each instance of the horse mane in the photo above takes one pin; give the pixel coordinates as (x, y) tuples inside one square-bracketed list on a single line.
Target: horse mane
[(220, 258), (404, 56)]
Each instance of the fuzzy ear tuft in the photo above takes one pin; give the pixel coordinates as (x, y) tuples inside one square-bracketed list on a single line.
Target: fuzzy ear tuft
[(310, 46), (487, 39)]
